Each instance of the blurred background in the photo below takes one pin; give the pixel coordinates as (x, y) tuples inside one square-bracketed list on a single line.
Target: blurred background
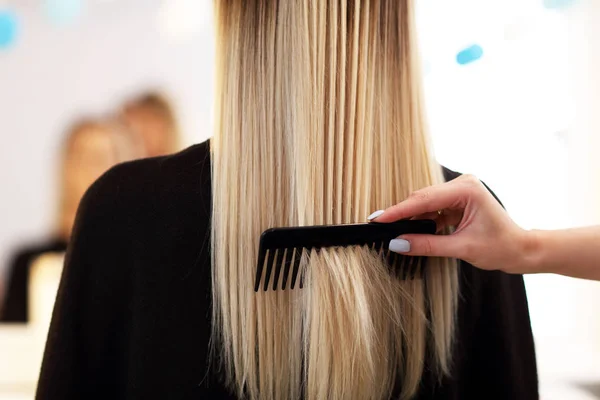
[(512, 89)]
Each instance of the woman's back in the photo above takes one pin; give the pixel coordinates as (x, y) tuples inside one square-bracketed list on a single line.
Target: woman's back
[(133, 314)]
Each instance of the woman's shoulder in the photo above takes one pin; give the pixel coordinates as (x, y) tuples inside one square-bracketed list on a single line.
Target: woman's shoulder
[(157, 175), (136, 281), (152, 187), (149, 209), (147, 220)]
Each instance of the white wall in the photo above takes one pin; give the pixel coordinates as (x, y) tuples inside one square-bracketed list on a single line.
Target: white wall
[(54, 74)]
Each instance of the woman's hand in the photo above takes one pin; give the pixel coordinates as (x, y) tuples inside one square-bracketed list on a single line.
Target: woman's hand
[(484, 235)]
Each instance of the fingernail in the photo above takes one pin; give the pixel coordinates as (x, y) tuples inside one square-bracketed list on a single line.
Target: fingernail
[(399, 246), (375, 215)]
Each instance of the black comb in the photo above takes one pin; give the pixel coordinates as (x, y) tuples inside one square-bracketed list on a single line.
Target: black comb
[(283, 247)]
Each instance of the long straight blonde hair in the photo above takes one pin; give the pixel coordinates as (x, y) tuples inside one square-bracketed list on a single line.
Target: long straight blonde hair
[(319, 120)]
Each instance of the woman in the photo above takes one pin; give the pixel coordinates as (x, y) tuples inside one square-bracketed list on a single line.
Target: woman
[(152, 117), (319, 119), (487, 237), (90, 149)]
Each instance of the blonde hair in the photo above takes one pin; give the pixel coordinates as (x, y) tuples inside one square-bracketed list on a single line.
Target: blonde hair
[(161, 106), (319, 120)]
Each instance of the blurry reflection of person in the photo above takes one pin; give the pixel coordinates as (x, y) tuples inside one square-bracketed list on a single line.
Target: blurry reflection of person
[(91, 147), (153, 118)]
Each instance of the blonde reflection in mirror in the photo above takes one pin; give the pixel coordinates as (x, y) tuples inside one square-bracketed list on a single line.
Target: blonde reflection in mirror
[(153, 118), (90, 148)]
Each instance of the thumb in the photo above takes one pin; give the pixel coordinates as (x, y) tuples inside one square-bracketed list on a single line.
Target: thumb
[(427, 245)]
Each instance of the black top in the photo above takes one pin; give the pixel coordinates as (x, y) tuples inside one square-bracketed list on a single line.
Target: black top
[(15, 307), (133, 313)]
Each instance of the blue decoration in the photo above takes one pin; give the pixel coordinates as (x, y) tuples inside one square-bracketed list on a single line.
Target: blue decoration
[(8, 28), (63, 11), (469, 55), (557, 4)]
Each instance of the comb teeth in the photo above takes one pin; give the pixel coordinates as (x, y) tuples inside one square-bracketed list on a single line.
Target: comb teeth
[(285, 264), (269, 267), (409, 268), (282, 248), (277, 260), (259, 269), (288, 264), (390, 258), (278, 265), (297, 258)]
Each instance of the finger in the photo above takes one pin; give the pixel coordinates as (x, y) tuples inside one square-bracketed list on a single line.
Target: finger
[(440, 220), (430, 215), (428, 245), (455, 218), (454, 194)]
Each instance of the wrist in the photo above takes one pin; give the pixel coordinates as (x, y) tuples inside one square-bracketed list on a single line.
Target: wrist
[(532, 252)]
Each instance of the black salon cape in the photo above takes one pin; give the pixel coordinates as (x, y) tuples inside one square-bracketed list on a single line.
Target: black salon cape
[(133, 314)]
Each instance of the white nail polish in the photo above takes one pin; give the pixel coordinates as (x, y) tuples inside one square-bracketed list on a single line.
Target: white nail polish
[(375, 215), (399, 245)]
